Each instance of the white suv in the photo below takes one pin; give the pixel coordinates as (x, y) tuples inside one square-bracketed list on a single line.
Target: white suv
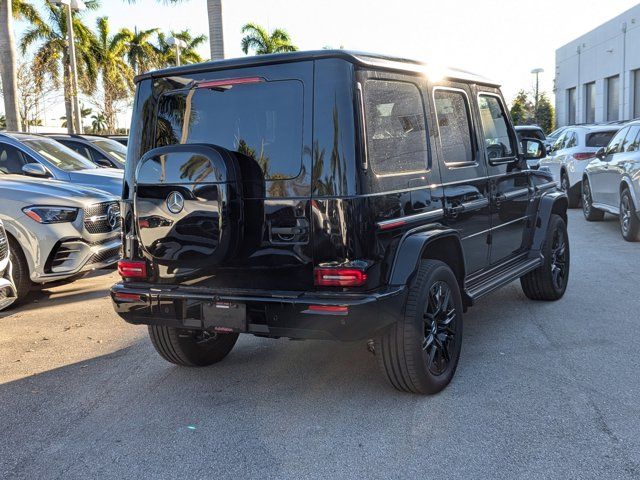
[(569, 155)]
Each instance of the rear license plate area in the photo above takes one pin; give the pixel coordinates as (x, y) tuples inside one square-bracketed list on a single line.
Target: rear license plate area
[(225, 317)]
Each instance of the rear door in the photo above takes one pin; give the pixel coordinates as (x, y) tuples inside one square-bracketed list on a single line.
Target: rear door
[(601, 183), (616, 167), (263, 116), (464, 172)]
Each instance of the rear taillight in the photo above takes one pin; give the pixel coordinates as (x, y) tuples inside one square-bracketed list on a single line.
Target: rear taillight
[(339, 277), (584, 156), (132, 269)]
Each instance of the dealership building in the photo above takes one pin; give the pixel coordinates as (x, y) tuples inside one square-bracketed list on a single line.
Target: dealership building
[(598, 74)]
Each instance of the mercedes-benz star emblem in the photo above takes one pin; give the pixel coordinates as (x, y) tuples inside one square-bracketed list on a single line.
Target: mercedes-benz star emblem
[(175, 202), (113, 214)]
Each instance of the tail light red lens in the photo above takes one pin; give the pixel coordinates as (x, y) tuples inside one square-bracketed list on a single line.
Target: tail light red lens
[(339, 277), (584, 156), (132, 269)]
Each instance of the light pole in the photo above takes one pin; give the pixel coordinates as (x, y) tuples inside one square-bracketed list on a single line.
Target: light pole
[(176, 42), (74, 123), (537, 72)]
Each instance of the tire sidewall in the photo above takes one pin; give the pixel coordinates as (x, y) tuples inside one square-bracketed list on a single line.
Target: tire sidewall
[(556, 223), (631, 235)]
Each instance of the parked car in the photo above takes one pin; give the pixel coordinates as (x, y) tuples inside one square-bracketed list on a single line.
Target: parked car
[(7, 288), (103, 151), (553, 136), (42, 157), (611, 182), (570, 154), (123, 139), (57, 231), (362, 218), (532, 131)]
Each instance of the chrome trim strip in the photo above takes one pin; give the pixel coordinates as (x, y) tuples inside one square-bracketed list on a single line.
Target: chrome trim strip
[(432, 215), (509, 222), (475, 204), (513, 194)]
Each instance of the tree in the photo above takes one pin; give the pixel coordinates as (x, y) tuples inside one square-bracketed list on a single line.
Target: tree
[(521, 108), (546, 114), (258, 39), (189, 54), (84, 113), (140, 52), (3, 122), (52, 53), (33, 96), (116, 74), (98, 123)]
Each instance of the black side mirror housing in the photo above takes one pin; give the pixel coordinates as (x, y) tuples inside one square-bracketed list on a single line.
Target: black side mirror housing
[(533, 149), (103, 162), (601, 153)]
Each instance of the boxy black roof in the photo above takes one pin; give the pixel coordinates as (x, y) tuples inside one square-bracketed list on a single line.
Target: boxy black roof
[(370, 60)]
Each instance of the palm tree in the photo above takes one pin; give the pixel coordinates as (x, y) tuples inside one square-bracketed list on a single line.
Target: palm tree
[(10, 10), (117, 76), (52, 53), (3, 122), (140, 51), (258, 39), (216, 38), (84, 113), (99, 123), (188, 53)]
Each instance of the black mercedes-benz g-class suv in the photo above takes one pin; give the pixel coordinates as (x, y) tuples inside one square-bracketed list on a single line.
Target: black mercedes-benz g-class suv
[(330, 195)]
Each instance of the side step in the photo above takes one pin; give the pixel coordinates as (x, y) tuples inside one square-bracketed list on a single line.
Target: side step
[(485, 283)]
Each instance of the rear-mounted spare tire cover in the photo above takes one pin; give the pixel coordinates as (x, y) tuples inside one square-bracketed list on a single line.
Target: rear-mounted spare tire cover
[(188, 206)]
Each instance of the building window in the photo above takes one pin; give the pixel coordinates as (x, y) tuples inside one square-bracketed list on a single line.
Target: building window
[(636, 93), (590, 99), (571, 106), (613, 98)]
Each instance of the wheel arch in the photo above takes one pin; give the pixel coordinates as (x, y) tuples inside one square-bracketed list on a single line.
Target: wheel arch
[(627, 184), (551, 203)]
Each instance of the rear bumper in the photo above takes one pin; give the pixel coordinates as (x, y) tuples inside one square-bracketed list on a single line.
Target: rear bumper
[(272, 314)]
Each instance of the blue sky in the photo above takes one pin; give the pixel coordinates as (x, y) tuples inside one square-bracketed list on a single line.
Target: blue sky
[(503, 40)]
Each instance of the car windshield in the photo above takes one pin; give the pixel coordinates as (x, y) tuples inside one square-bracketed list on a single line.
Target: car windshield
[(599, 139), (58, 155), (115, 150)]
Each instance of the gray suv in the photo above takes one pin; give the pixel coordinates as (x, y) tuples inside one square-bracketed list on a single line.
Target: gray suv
[(57, 231), (39, 156)]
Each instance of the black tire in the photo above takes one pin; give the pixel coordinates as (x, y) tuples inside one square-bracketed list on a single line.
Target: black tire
[(629, 221), (573, 196), (549, 281), (19, 272), (190, 348), (591, 214), (420, 352)]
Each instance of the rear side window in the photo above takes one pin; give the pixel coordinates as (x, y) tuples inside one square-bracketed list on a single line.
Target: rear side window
[(454, 126), (616, 141), (495, 128), (262, 121), (11, 159), (395, 125), (599, 139), (533, 133), (571, 140), (632, 140)]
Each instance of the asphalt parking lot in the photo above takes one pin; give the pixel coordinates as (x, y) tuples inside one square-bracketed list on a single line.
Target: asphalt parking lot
[(543, 390)]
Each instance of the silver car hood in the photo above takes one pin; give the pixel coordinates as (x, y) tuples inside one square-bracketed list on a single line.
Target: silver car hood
[(38, 191), (107, 179)]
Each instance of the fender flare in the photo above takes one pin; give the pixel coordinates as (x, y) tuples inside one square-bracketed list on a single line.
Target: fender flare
[(550, 202), (411, 249)]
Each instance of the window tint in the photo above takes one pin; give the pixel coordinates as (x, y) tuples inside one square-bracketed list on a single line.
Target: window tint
[(531, 133), (495, 128), (396, 133), (262, 121), (11, 159), (616, 142), (77, 147), (632, 139), (454, 126), (60, 156), (599, 139)]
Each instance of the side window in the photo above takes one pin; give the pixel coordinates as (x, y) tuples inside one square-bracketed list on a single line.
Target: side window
[(572, 140), (395, 125), (616, 142), (495, 126), (454, 126), (11, 159), (78, 148), (559, 142), (630, 143)]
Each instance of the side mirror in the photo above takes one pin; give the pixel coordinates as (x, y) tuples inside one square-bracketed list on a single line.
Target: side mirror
[(601, 153), (103, 162), (35, 170), (533, 149)]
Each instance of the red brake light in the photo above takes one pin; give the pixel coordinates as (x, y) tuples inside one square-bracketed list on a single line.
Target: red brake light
[(584, 156), (328, 309), (228, 83), (339, 277), (132, 269)]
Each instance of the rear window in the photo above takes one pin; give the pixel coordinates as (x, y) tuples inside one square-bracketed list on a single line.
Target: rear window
[(396, 133), (262, 121), (531, 133), (599, 139)]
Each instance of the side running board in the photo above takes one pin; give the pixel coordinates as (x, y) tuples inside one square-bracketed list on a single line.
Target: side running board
[(485, 283)]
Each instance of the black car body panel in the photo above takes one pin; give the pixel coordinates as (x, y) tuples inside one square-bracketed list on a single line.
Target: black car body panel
[(357, 194)]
